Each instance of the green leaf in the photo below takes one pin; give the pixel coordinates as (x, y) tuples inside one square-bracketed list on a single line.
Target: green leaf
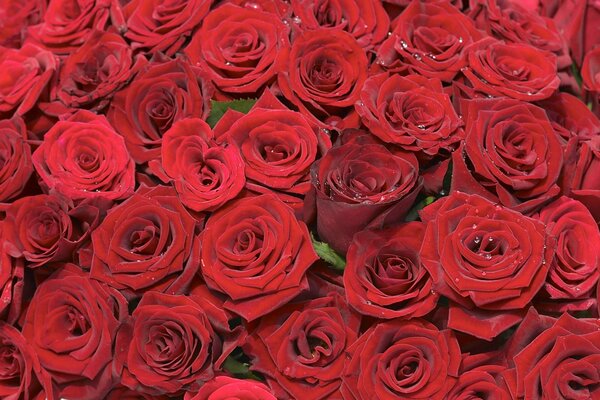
[(328, 254), (218, 108), (447, 182), (413, 214), (239, 369), (576, 74), (590, 105)]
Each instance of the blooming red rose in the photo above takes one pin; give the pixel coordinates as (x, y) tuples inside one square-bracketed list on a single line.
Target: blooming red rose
[(402, 359), (173, 344), (146, 242), (590, 70), (570, 117), (91, 75), (163, 25), (429, 39), (484, 257), (384, 276), (240, 48), (83, 157), (301, 347), (256, 252), (15, 162), (27, 73), (12, 274), (326, 70), (124, 393), (485, 380), (21, 376), (575, 268), (362, 183), (225, 388), (46, 228), (366, 20), (161, 94), (17, 16), (412, 112), (278, 147), (67, 25), (71, 324), (206, 175), (515, 70), (511, 154), (560, 362)]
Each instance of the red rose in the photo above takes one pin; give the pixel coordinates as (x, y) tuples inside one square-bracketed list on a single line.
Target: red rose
[(146, 242), (256, 252), (412, 112), (206, 175), (21, 376), (484, 257), (225, 388), (384, 276), (17, 15), (173, 344), (570, 117), (326, 70), (161, 25), (241, 49), (575, 268), (429, 39), (12, 274), (67, 26), (511, 154), (590, 73), (28, 70), (514, 70), (278, 147), (71, 324), (560, 362), (581, 177), (366, 20), (91, 75), (402, 359), (362, 183), (162, 94), (83, 157), (15, 163), (124, 393), (301, 347), (46, 228)]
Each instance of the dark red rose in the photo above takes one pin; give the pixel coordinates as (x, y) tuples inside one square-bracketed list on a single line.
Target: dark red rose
[(570, 117), (514, 70), (590, 70), (124, 393), (486, 381), (511, 21), (326, 70), (21, 376), (301, 347), (91, 75), (146, 243), (206, 174), (67, 24), (46, 228), (256, 252), (162, 94), (17, 15), (27, 73), (163, 25), (429, 39), (412, 112), (12, 273), (581, 178), (362, 183), (172, 344), (484, 257), (71, 324), (384, 276), (240, 48), (278, 147), (83, 157), (226, 388), (15, 158), (511, 155), (402, 359), (366, 20), (559, 362)]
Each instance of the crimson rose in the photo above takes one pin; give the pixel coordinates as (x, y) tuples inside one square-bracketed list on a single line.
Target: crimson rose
[(15, 162), (226, 388)]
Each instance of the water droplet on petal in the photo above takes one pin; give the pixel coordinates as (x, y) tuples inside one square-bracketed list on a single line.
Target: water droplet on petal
[(490, 239), (420, 126), (474, 226), (530, 93), (403, 44), (488, 256), (460, 40), (297, 20), (483, 273), (417, 56), (477, 240)]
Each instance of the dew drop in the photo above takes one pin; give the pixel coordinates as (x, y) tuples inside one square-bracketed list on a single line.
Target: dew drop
[(432, 292), (456, 279), (403, 44), (483, 273), (368, 303), (297, 20), (474, 226), (488, 257), (287, 370), (420, 126), (530, 93), (490, 239), (389, 33), (577, 289), (432, 56), (417, 56), (360, 103), (477, 240), (228, 63), (460, 40)]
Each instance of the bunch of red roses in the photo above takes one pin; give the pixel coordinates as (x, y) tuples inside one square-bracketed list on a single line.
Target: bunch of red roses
[(299, 199)]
